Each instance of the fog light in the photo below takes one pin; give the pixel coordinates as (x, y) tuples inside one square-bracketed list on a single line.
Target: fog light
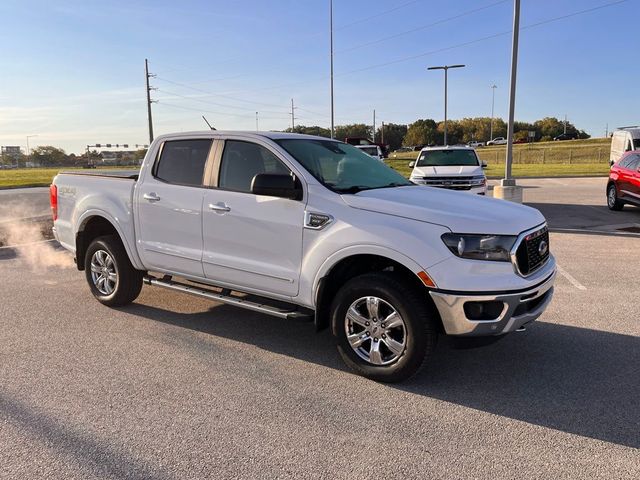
[(483, 310)]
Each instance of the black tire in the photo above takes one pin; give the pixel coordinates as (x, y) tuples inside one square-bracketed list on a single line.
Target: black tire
[(613, 202), (418, 314), (128, 283)]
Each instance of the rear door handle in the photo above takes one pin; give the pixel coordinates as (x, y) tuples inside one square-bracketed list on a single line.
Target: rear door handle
[(152, 197), (219, 207)]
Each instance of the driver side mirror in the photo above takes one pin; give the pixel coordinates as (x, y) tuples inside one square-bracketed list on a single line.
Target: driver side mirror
[(276, 185), (412, 164), (483, 165)]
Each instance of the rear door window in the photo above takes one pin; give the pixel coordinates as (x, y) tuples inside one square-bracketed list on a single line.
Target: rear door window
[(182, 162)]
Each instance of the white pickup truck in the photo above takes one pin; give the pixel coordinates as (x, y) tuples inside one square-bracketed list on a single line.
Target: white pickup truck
[(301, 226)]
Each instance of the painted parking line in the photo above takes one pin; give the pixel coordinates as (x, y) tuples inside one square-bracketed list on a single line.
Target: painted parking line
[(570, 278)]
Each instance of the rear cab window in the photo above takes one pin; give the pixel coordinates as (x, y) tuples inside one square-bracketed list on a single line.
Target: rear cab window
[(182, 162)]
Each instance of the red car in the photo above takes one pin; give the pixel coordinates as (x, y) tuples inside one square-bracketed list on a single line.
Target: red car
[(624, 181)]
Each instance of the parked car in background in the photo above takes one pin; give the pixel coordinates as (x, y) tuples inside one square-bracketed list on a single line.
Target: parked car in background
[(372, 150), (475, 144), (624, 181), (565, 136), (624, 139), (453, 168), (497, 141)]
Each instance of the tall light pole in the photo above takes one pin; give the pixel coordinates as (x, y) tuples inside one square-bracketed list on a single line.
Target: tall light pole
[(446, 70), (493, 101), (331, 55), (257, 122), (28, 151), (508, 181)]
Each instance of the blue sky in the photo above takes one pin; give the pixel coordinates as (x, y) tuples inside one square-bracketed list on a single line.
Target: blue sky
[(73, 71)]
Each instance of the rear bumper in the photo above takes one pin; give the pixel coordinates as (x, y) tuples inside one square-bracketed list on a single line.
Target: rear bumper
[(518, 309)]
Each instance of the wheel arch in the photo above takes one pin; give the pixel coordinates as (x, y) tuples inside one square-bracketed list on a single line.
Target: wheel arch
[(96, 224), (340, 268)]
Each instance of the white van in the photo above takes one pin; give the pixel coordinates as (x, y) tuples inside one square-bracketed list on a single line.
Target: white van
[(624, 139), (372, 150), (453, 168)]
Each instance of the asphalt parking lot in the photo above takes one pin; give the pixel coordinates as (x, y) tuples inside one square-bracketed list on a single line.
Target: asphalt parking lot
[(176, 387)]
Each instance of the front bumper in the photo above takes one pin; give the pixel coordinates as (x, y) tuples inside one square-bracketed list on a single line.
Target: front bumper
[(518, 309)]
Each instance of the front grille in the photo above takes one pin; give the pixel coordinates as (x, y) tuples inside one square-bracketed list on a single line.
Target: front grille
[(453, 183), (531, 254)]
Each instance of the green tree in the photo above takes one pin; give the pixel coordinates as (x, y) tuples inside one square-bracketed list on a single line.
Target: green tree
[(48, 155), (353, 130), (421, 132), (393, 135), (313, 130)]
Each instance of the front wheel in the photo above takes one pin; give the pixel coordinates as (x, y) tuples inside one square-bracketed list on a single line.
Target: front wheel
[(385, 328), (612, 199), (110, 275)]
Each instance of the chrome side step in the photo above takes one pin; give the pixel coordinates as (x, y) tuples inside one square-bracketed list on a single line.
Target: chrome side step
[(225, 296)]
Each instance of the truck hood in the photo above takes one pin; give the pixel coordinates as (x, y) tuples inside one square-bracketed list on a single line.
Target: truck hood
[(458, 211), (447, 171)]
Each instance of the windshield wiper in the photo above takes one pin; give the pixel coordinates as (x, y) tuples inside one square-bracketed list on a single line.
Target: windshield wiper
[(352, 189)]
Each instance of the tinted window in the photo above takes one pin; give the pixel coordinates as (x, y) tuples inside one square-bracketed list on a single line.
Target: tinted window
[(633, 163), (435, 158), (241, 161), (182, 161), (341, 167)]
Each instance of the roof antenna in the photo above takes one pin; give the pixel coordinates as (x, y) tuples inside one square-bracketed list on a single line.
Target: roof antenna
[(209, 125)]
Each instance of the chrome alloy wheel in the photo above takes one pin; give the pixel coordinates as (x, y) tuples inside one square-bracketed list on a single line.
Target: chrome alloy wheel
[(103, 272), (375, 331), (612, 196)]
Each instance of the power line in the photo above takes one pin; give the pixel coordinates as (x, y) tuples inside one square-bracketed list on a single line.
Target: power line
[(377, 15), (182, 107), (423, 27), (196, 99)]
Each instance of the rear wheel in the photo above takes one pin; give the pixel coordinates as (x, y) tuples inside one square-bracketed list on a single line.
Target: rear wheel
[(612, 198), (385, 329), (111, 277)]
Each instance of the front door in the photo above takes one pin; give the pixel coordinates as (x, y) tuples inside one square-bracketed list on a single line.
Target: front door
[(251, 241), (169, 216)]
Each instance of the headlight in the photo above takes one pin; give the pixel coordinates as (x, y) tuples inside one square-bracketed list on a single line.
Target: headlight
[(480, 247)]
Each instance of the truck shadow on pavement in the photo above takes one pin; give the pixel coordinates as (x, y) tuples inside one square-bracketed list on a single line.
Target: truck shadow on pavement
[(593, 219), (575, 380)]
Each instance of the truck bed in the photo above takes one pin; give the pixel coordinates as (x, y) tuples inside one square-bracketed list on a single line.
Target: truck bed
[(128, 174)]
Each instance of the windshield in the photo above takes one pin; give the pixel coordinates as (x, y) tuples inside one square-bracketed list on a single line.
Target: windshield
[(441, 158), (341, 167)]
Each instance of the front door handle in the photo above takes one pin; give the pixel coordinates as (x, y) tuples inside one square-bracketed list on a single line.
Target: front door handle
[(219, 207), (152, 197)]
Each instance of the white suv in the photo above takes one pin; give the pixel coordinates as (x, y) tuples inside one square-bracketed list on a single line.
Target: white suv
[(454, 168), (372, 150)]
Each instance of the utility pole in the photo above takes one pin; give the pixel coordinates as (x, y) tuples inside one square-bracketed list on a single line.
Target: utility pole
[(374, 125), (149, 101), (493, 101), (257, 122), (293, 118), (382, 133), (331, 55), (606, 130), (565, 123), (446, 70)]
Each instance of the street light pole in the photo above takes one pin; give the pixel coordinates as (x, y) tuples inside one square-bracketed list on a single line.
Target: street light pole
[(446, 70), (512, 94), (28, 151), (331, 55), (493, 101)]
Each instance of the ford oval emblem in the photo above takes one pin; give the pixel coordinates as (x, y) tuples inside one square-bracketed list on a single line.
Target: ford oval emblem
[(543, 248)]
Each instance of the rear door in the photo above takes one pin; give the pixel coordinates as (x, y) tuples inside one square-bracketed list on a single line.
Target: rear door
[(251, 241), (633, 178), (169, 213)]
